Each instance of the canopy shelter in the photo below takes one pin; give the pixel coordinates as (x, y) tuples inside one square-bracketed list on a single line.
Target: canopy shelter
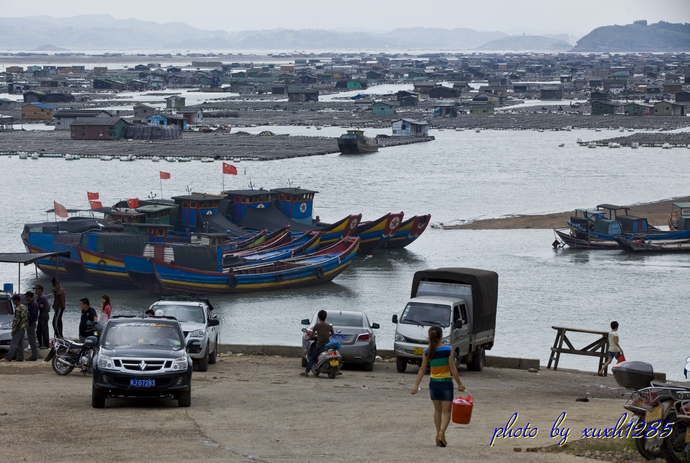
[(28, 258)]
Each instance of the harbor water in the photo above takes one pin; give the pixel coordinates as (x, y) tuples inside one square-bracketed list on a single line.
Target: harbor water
[(461, 176)]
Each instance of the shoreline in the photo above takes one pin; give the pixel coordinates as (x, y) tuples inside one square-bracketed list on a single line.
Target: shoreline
[(655, 212)]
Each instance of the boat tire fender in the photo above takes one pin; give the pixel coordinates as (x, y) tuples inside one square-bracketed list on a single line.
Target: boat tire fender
[(319, 272), (101, 264), (279, 277), (232, 282)]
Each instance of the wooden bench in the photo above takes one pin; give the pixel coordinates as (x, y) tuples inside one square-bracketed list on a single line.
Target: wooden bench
[(598, 348)]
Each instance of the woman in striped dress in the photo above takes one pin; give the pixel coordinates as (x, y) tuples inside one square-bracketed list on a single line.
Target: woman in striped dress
[(440, 358)]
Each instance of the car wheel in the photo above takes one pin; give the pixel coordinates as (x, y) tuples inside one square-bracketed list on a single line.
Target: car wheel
[(368, 366), (97, 397), (203, 362), (213, 357), (401, 364), (184, 399)]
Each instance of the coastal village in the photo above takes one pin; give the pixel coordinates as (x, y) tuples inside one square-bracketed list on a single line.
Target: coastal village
[(446, 91)]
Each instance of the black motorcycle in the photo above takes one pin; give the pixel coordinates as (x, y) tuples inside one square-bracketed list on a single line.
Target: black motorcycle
[(66, 355)]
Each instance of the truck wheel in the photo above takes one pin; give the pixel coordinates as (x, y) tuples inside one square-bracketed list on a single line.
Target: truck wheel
[(477, 361), (457, 359), (213, 357), (97, 397), (184, 399), (203, 362), (401, 364)]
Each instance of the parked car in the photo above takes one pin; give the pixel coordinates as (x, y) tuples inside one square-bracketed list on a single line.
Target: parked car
[(197, 322), (6, 317), (143, 357), (353, 331)]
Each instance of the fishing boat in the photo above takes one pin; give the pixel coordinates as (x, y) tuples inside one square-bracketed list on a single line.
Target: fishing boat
[(645, 245), (408, 231), (679, 218), (184, 160), (376, 233), (564, 237), (354, 142), (106, 158), (170, 159), (34, 156), (303, 244), (155, 159), (317, 268), (207, 159), (128, 158), (23, 155)]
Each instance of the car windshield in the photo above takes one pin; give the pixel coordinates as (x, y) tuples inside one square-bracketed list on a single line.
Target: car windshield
[(6, 307), (418, 313), (136, 335), (341, 319), (183, 313)]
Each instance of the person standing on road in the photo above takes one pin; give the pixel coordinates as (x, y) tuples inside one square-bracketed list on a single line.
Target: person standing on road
[(106, 310), (88, 314), (19, 323), (323, 332), (43, 317), (614, 351), (58, 306), (443, 370), (32, 307)]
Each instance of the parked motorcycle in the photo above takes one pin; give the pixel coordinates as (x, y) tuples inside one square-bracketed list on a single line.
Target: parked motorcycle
[(676, 447), (67, 355), (328, 361)]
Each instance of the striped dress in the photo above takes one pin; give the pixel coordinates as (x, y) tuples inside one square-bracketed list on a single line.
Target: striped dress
[(440, 369)]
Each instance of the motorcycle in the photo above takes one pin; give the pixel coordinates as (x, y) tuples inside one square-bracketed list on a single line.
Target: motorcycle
[(676, 447), (67, 355), (328, 361)]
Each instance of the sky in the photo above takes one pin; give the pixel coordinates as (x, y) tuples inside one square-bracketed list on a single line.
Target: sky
[(573, 17)]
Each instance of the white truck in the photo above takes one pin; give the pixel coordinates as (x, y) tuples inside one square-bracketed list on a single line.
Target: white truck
[(462, 301)]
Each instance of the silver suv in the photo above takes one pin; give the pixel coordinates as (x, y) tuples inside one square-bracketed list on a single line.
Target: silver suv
[(194, 316)]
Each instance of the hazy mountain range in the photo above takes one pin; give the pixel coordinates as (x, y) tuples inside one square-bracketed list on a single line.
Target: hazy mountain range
[(103, 32)]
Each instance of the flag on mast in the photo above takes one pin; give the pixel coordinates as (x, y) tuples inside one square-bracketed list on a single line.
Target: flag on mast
[(229, 169), (164, 175), (92, 196), (60, 210)]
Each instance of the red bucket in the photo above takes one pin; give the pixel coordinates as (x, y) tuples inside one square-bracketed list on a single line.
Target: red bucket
[(462, 409)]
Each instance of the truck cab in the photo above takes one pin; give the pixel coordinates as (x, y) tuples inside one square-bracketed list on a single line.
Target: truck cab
[(446, 298)]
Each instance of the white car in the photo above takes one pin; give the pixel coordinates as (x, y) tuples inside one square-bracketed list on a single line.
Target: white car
[(194, 316), (6, 317)]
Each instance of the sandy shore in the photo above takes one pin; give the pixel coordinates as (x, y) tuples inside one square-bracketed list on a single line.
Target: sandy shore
[(258, 408), (656, 213)]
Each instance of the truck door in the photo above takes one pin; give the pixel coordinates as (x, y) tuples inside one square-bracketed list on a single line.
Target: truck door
[(460, 337)]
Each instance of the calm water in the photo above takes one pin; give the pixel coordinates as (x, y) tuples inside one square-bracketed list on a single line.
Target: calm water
[(460, 176)]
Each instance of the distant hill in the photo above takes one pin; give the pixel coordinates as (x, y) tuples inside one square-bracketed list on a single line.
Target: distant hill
[(436, 38), (526, 43), (639, 36)]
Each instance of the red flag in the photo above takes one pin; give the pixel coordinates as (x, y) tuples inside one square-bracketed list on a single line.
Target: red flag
[(96, 204), (92, 196), (60, 210), (165, 175), (229, 169), (133, 203)]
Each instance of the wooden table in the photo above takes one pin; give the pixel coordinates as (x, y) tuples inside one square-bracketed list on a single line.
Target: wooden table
[(598, 348)]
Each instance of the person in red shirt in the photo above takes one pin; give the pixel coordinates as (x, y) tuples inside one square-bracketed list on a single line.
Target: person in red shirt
[(323, 332)]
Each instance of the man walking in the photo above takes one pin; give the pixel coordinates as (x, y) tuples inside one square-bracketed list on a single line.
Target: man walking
[(88, 314), (19, 323), (43, 317), (58, 306), (32, 307)]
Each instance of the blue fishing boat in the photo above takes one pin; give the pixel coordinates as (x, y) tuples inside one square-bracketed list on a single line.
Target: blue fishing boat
[(377, 233), (316, 268), (408, 231)]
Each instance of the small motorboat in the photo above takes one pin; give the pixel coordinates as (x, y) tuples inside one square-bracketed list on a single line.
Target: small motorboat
[(106, 158), (128, 158), (561, 145), (591, 145), (170, 159), (666, 146), (184, 160), (207, 159), (155, 159), (23, 155), (34, 156)]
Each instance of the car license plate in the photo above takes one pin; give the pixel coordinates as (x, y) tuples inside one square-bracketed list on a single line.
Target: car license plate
[(142, 382), (418, 351), (340, 337), (334, 363), (653, 415)]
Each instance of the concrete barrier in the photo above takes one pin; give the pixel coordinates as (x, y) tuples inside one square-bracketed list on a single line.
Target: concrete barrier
[(296, 351)]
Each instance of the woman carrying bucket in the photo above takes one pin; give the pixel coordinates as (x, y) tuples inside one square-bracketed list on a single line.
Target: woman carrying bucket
[(440, 357)]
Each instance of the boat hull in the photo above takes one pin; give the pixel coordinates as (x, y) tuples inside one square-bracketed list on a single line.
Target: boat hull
[(408, 231), (669, 246), (142, 273), (351, 146), (376, 233), (577, 243), (53, 267), (105, 271)]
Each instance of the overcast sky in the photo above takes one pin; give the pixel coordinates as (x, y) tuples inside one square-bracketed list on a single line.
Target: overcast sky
[(575, 17)]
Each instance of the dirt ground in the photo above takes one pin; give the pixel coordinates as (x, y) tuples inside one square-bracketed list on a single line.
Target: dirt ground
[(258, 409), (656, 213)]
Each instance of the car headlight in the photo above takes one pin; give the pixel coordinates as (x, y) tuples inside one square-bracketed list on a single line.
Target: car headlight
[(105, 362), (446, 340), (6, 326), (399, 337), (197, 334), (180, 364)]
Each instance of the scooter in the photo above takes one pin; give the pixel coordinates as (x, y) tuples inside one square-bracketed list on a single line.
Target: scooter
[(328, 361), (66, 355), (676, 447)]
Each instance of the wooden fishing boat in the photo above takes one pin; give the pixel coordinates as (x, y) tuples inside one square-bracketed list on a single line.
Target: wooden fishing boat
[(564, 237), (103, 270), (306, 243), (53, 266), (354, 142), (376, 233), (408, 231), (645, 245), (343, 228), (319, 267)]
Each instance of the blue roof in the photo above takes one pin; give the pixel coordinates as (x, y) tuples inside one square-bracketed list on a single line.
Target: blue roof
[(44, 106)]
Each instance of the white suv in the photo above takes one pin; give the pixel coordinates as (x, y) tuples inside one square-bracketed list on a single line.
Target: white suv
[(194, 316)]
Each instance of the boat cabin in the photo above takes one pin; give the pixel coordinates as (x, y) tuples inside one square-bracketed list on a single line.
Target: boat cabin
[(629, 223), (126, 216), (607, 226), (298, 203), (680, 216), (114, 244), (158, 213), (240, 200), (156, 232), (191, 206), (209, 239)]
